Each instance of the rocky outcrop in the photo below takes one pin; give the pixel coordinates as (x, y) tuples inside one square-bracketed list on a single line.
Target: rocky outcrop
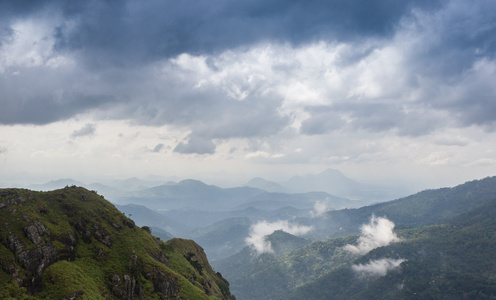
[(35, 231), (163, 283), (93, 230), (15, 244), (126, 288)]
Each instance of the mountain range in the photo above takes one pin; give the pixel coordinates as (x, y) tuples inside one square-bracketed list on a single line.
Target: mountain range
[(436, 244), (289, 240)]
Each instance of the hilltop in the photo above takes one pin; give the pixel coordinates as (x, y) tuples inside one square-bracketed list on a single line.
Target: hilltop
[(71, 243)]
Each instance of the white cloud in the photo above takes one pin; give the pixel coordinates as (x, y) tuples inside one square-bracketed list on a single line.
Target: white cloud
[(378, 233), (329, 99), (377, 267), (319, 209), (260, 230)]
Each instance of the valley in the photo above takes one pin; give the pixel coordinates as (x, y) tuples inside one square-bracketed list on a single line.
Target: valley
[(278, 245)]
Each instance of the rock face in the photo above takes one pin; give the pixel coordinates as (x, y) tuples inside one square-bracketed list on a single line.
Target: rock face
[(72, 243)]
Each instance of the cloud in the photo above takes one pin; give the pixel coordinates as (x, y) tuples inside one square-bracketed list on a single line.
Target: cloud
[(3, 152), (260, 230), (86, 130), (158, 147), (197, 145), (377, 267), (378, 233), (129, 32), (273, 74), (319, 209)]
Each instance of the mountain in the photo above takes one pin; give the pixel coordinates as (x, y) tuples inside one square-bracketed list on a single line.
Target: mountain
[(331, 181), (144, 216), (266, 185), (223, 238), (189, 194), (196, 195), (223, 234), (455, 260), (295, 261), (55, 184), (423, 208), (445, 250), (160, 233), (195, 221), (71, 243), (134, 184), (299, 200), (336, 183)]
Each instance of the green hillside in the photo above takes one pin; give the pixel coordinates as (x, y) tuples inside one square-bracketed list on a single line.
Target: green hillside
[(73, 244), (295, 261), (423, 208), (447, 251), (456, 260)]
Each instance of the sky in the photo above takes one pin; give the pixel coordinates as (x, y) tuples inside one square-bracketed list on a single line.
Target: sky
[(223, 91)]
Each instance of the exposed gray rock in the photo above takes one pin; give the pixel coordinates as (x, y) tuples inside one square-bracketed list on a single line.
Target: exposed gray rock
[(74, 295), (115, 286), (128, 223), (103, 237), (15, 244), (115, 280), (129, 286), (34, 232), (41, 228), (163, 283), (117, 227), (38, 259)]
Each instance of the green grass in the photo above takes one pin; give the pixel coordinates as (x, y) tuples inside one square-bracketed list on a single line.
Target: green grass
[(133, 251)]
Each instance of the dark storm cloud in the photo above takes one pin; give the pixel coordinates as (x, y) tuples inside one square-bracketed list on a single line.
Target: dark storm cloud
[(115, 46), (40, 96), (208, 113), (124, 32), (372, 117), (455, 37)]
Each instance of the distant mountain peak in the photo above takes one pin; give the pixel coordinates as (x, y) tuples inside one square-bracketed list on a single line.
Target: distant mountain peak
[(266, 185)]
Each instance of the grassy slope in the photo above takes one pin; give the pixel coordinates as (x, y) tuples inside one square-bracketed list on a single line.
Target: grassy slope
[(104, 243), (425, 208)]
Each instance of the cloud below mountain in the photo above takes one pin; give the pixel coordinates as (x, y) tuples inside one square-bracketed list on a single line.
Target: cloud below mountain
[(377, 267), (257, 240), (378, 233), (319, 209)]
